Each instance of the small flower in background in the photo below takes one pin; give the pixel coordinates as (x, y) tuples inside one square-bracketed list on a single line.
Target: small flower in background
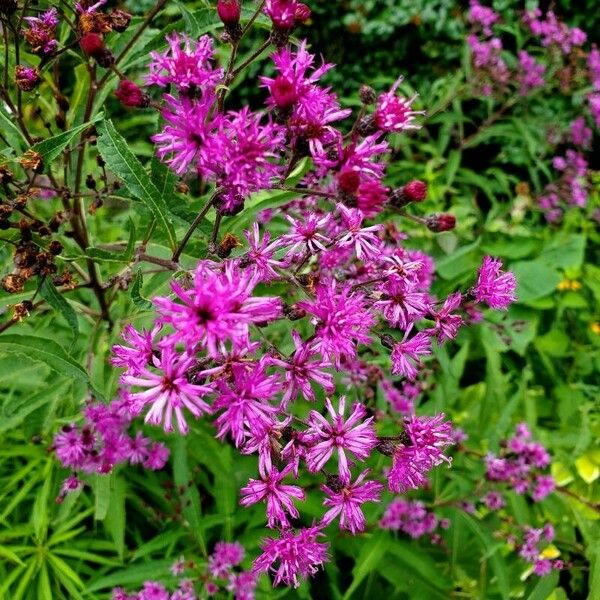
[(394, 113)]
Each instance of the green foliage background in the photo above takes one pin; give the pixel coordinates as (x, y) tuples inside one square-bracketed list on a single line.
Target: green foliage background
[(538, 363)]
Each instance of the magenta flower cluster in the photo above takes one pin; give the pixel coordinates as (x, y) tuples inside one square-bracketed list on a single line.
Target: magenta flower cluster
[(221, 575), (271, 342), (520, 464), (102, 443)]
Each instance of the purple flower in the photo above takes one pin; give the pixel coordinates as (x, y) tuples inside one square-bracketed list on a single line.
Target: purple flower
[(242, 585), (168, 391), (218, 308), (313, 108), (406, 355), (544, 486), (447, 324), (483, 15), (185, 64), (306, 235), (362, 239), (341, 321), (41, 32), (494, 500), (241, 156), (495, 287), (225, 556), (292, 556), (346, 499), (593, 62), (354, 435), (302, 368), (408, 516), (400, 302), (245, 401), (394, 113), (532, 73), (139, 351), (277, 495), (260, 255), (184, 136)]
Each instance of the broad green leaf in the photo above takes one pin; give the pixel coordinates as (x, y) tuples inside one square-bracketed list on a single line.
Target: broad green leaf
[(256, 204), (586, 469), (133, 576), (119, 158), (544, 587), (54, 146), (51, 295), (535, 279)]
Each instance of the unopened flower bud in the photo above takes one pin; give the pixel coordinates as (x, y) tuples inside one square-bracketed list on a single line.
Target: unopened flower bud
[(55, 248), (26, 78), (106, 59), (90, 182), (119, 20), (283, 92), (441, 222), (386, 447), (131, 95), (6, 175), (229, 11), (92, 44), (398, 198), (348, 181), (367, 94), (367, 125), (302, 13), (415, 190)]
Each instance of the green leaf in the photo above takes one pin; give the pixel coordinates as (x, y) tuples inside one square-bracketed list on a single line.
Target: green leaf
[(545, 586), (370, 553), (47, 351), (535, 279), (56, 300), (119, 158), (136, 292), (115, 517), (8, 554), (54, 146), (102, 485), (256, 204), (12, 133), (44, 396)]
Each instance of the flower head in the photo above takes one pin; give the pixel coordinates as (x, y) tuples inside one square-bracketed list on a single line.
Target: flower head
[(394, 113), (292, 556), (495, 287)]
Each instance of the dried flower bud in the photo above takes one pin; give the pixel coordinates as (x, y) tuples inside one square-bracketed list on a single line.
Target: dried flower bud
[(90, 182), (55, 248), (415, 190), (442, 222), (228, 243), (8, 7), (293, 312), (106, 59), (6, 175), (92, 44), (386, 447), (22, 310), (32, 160), (13, 283), (398, 198), (26, 78), (5, 212), (182, 187), (131, 95), (119, 19), (367, 125), (367, 94)]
